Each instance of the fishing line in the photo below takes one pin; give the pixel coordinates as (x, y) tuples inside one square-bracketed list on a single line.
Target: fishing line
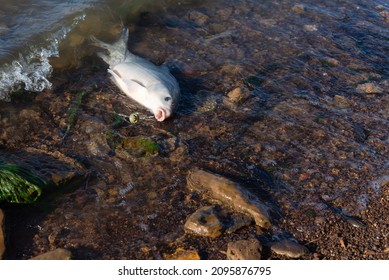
[(132, 118)]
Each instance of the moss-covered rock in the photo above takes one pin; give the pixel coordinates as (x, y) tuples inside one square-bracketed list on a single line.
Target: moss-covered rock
[(136, 147)]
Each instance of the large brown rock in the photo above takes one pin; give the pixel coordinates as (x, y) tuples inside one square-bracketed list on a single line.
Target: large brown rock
[(230, 193)]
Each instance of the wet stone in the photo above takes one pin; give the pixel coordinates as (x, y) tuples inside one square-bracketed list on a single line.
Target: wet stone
[(4, 29), (229, 193), (341, 101), (237, 95), (98, 145), (238, 221), (329, 61), (385, 15), (182, 254), (369, 88), (289, 248), (298, 8), (136, 147), (197, 17), (310, 27), (244, 250), (2, 243), (57, 254), (205, 222)]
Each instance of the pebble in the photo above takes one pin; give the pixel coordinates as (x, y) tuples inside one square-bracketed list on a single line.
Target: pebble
[(182, 254), (57, 254), (236, 95), (369, 88), (4, 29), (310, 27), (198, 17), (205, 222), (289, 248), (244, 250), (298, 8), (2, 243), (98, 145), (341, 101), (229, 193), (331, 61), (385, 15)]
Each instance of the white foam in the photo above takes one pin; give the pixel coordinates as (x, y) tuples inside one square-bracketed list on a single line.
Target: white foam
[(32, 71)]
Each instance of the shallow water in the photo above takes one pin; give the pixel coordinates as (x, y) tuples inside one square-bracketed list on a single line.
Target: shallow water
[(33, 32), (312, 122)]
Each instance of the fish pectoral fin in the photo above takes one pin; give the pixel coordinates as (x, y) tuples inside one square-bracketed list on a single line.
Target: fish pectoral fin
[(128, 86)]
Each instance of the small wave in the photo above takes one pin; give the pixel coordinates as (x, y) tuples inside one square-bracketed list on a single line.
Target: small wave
[(32, 70)]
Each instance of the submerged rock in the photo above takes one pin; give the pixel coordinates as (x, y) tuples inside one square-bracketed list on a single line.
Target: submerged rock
[(299, 8), (98, 145), (37, 171), (197, 17), (341, 101), (289, 248), (2, 243), (139, 146), (4, 29), (230, 193), (57, 254), (244, 250), (237, 95), (205, 222), (369, 88), (310, 27), (385, 15)]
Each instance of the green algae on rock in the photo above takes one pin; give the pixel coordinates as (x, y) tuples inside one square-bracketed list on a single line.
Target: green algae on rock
[(230, 193), (136, 147), (26, 174), (19, 185)]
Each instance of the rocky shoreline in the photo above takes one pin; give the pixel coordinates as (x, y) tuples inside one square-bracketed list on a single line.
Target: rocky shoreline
[(278, 148)]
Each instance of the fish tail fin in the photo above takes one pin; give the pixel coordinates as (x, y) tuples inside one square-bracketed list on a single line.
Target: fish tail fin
[(117, 52)]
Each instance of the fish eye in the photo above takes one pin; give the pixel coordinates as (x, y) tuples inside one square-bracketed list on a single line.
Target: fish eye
[(167, 98)]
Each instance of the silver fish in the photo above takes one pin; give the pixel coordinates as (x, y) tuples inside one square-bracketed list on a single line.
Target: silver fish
[(150, 85)]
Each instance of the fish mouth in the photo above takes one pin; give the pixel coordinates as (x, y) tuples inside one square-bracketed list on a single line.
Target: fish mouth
[(161, 114)]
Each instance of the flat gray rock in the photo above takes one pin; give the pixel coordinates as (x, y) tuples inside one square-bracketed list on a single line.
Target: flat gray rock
[(289, 248)]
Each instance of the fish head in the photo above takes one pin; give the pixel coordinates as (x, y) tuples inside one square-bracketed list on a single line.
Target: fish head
[(161, 101)]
